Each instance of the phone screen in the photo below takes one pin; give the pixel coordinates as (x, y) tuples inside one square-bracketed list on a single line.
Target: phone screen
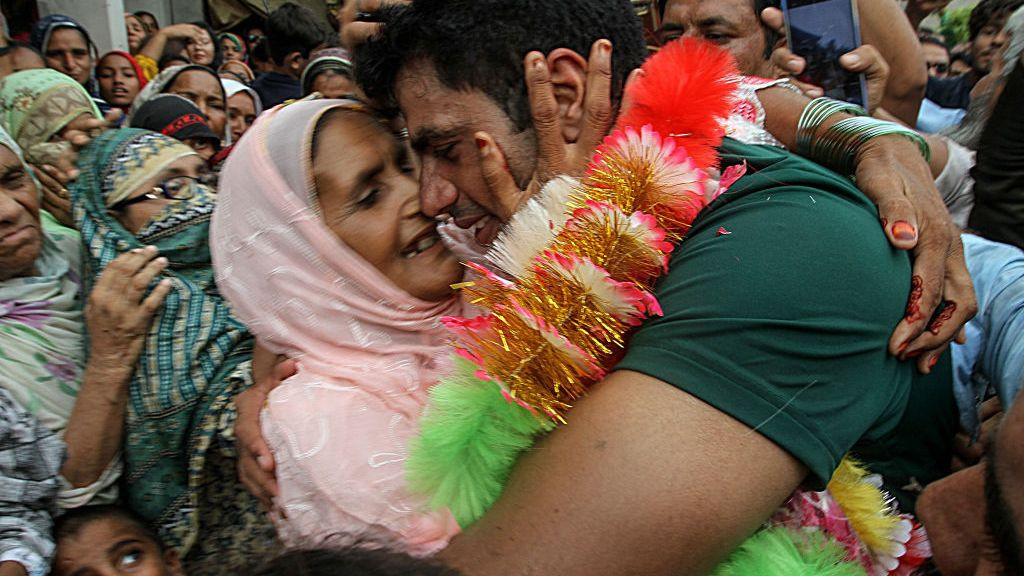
[(821, 31)]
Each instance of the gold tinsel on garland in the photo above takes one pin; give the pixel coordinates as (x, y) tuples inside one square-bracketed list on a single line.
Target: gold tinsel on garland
[(555, 324)]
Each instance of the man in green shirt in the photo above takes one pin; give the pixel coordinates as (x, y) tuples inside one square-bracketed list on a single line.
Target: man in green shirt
[(771, 361)]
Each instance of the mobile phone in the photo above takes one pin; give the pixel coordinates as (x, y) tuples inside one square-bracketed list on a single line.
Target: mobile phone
[(821, 31)]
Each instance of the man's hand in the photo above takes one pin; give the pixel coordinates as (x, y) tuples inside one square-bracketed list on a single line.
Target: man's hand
[(119, 311), (555, 156), (359, 20), (891, 172), (864, 58), (967, 453), (255, 460)]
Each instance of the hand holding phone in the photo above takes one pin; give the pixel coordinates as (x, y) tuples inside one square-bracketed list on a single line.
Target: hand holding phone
[(821, 31)]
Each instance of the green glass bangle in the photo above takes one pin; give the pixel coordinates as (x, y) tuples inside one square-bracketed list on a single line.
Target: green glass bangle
[(837, 147), (814, 115)]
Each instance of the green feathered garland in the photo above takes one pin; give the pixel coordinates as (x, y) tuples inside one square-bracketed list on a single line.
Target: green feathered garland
[(783, 551), (470, 437)]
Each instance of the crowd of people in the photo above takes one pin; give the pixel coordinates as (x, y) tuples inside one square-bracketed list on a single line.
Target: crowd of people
[(243, 276)]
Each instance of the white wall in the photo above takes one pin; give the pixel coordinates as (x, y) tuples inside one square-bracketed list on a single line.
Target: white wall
[(160, 8), (104, 19)]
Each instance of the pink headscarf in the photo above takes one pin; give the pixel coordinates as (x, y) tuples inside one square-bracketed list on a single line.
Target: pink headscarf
[(367, 351)]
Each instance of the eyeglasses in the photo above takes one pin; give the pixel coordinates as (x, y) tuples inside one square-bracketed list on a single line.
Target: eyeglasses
[(175, 188), (940, 67)]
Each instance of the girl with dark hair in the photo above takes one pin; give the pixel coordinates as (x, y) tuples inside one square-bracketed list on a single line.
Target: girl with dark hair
[(203, 49), (120, 78)]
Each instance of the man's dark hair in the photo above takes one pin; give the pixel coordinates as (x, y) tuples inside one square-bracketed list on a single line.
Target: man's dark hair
[(480, 44), (999, 518), (987, 10), (293, 28), (350, 562), (935, 41), (72, 522)]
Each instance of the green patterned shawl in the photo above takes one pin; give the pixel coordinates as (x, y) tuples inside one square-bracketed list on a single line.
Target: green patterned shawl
[(182, 389), (37, 104)]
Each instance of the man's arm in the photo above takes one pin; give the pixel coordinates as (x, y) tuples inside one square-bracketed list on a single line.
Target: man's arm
[(886, 28), (645, 479)]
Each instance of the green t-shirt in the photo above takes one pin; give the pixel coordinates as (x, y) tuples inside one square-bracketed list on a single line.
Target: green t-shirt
[(778, 307)]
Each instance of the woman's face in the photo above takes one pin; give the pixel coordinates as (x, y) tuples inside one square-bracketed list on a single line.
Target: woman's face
[(21, 236), (136, 32), (230, 50), (113, 546), (118, 82), (369, 198), (242, 111), (68, 52), (201, 50), (135, 216), (204, 90), (333, 85)]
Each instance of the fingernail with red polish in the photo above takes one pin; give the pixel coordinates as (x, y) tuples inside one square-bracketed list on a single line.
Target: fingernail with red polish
[(885, 223), (932, 362), (903, 230), (481, 143), (902, 347), (915, 353)]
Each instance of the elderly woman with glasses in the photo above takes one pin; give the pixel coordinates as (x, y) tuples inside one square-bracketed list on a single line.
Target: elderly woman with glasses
[(141, 188)]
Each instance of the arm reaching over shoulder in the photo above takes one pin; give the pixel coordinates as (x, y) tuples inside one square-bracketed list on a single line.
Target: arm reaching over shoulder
[(891, 172)]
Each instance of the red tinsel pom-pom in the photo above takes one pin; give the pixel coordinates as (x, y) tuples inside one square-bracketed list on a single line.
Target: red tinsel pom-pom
[(685, 91)]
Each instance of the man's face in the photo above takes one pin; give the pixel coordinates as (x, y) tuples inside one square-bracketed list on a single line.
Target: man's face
[(732, 24), (442, 125), (987, 43), (937, 60), (68, 52)]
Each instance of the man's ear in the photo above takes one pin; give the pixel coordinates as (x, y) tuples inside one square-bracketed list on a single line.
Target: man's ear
[(568, 82), (295, 63)]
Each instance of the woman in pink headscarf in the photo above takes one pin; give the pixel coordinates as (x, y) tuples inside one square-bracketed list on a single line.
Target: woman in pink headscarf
[(320, 246)]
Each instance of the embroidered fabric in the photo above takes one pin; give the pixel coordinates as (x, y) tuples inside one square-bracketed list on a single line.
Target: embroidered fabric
[(746, 123), (367, 351)]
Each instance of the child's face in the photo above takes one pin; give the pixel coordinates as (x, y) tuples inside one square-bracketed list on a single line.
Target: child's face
[(111, 547)]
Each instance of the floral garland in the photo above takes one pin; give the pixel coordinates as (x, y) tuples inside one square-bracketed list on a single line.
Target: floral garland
[(566, 282)]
